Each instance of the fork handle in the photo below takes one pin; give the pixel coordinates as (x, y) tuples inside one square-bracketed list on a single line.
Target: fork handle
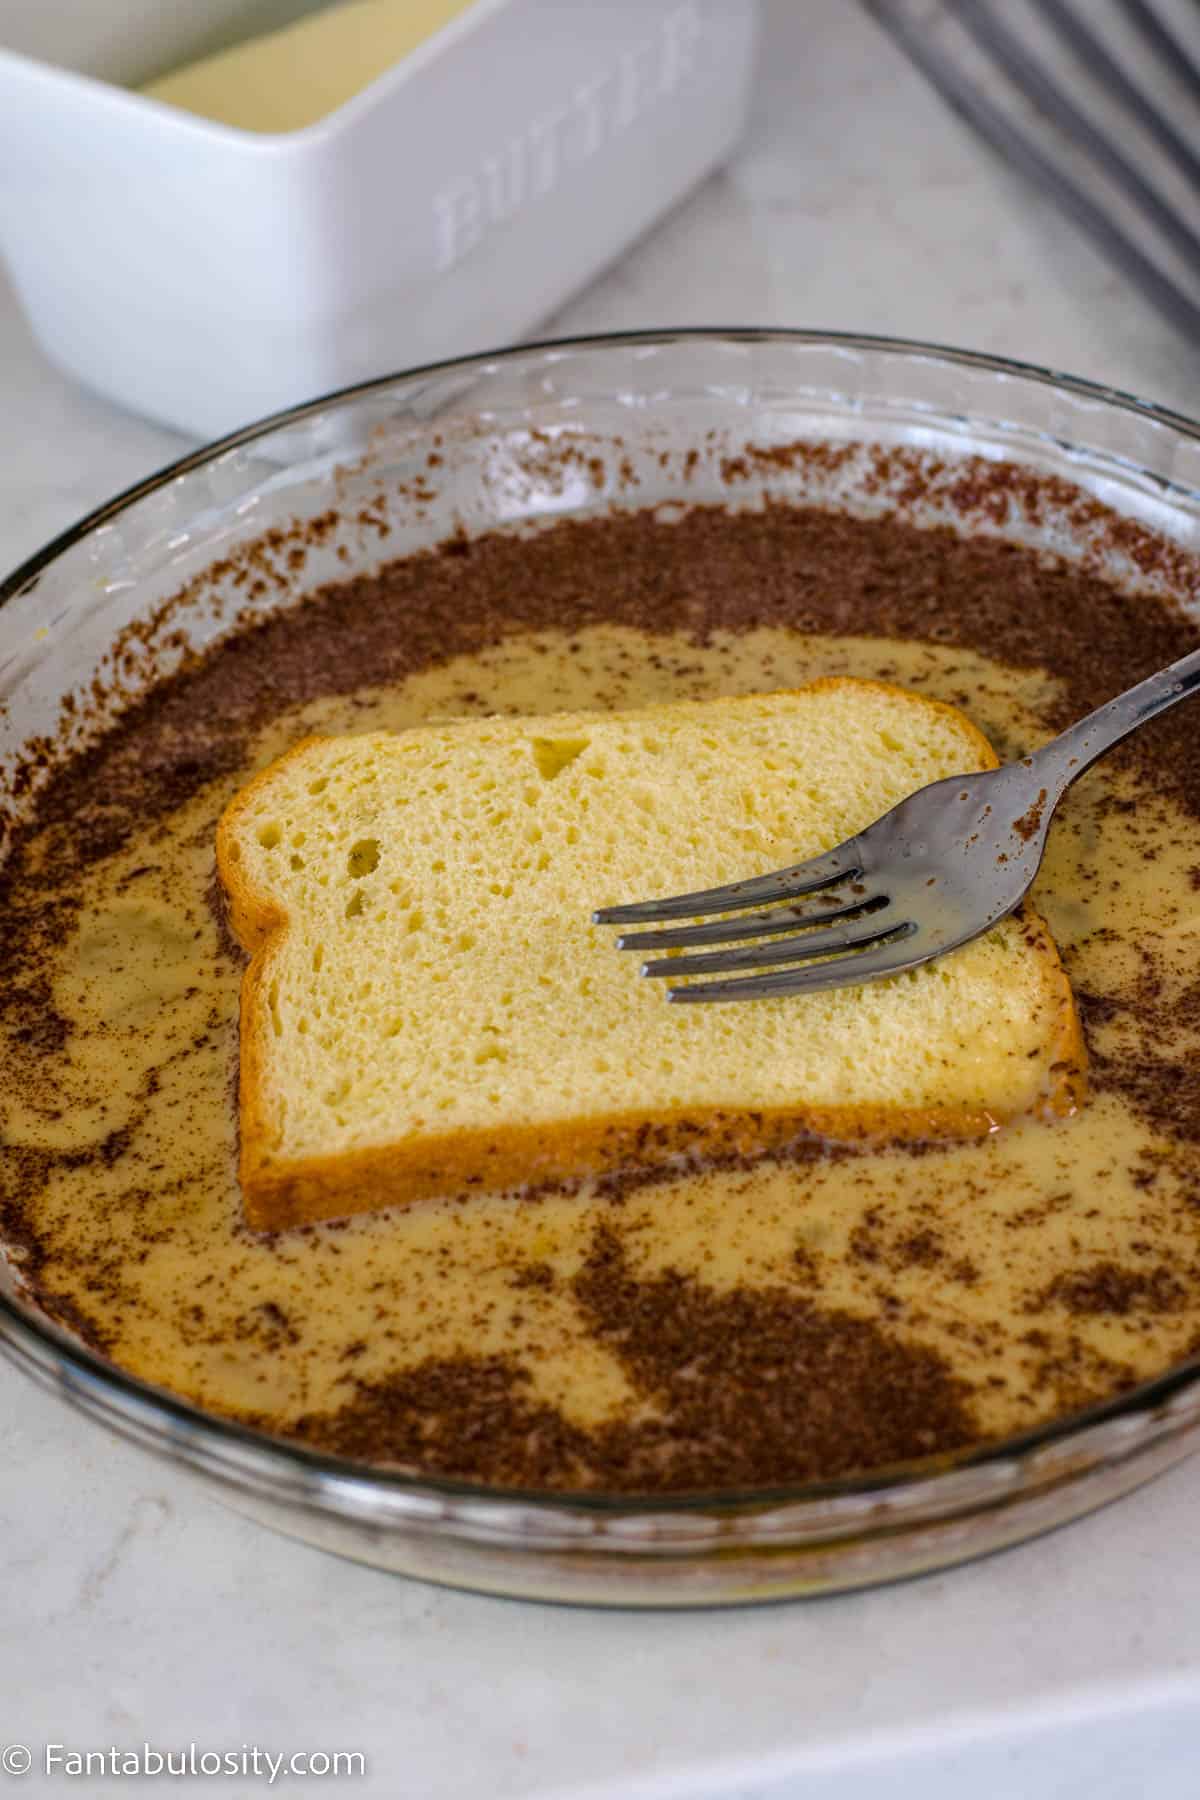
[(1067, 756)]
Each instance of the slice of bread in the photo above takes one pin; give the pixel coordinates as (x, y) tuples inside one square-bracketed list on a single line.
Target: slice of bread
[(429, 1010)]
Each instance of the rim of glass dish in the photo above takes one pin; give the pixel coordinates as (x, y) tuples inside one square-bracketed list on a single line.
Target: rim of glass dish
[(166, 1413)]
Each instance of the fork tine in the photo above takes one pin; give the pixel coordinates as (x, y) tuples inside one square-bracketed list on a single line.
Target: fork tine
[(779, 950), (820, 908), (840, 864), (838, 971)]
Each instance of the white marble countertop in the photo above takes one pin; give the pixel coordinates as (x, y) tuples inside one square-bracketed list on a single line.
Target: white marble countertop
[(135, 1608)]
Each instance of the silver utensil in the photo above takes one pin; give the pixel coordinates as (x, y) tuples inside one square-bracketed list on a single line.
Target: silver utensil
[(939, 869)]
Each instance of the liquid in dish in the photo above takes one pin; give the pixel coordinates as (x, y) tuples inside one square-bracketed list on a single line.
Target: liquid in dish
[(757, 1323)]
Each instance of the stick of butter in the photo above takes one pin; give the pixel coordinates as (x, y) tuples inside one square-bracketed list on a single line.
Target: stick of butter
[(287, 79)]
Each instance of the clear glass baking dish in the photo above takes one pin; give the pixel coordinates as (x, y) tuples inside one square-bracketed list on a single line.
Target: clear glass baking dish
[(520, 438)]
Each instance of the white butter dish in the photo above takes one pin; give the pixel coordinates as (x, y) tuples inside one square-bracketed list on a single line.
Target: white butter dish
[(206, 275)]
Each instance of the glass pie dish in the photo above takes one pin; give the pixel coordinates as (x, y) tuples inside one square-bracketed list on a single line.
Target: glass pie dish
[(519, 439)]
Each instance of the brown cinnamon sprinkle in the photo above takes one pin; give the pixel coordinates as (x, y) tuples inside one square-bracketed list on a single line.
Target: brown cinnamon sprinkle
[(760, 1385), (1030, 822), (744, 1389), (1107, 1288)]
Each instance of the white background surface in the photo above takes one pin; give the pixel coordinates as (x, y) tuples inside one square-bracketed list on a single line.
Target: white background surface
[(134, 1607)]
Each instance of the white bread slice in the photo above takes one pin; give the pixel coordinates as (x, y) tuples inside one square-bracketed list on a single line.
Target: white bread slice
[(429, 1010)]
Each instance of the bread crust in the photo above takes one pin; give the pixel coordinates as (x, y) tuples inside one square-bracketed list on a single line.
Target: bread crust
[(279, 1195)]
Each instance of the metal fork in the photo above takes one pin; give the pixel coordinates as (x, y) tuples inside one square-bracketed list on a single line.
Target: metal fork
[(939, 869), (1079, 97)]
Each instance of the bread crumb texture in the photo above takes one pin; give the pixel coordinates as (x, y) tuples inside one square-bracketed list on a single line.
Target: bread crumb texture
[(429, 1009)]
